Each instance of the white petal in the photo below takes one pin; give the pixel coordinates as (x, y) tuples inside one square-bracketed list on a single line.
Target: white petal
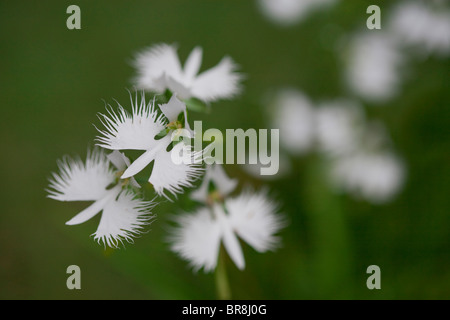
[(223, 183), (192, 65), (167, 175), (230, 241), (119, 160), (122, 219), (154, 64), (197, 239), (218, 82), (135, 131), (94, 208), (144, 160), (254, 219), (77, 181), (172, 108), (231, 244), (181, 89), (215, 174)]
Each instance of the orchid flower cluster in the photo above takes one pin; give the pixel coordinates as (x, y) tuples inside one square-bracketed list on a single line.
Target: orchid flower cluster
[(114, 182)]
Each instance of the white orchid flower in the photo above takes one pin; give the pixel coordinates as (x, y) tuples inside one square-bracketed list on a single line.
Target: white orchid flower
[(139, 130), (124, 215), (159, 68), (250, 216)]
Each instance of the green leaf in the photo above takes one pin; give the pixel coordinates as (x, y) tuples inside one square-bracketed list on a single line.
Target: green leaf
[(181, 117), (196, 105), (162, 133)]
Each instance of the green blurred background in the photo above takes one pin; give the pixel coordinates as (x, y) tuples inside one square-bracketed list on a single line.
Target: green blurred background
[(53, 83)]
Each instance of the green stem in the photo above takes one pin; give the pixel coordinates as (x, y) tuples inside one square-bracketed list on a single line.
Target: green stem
[(222, 284), (330, 235)]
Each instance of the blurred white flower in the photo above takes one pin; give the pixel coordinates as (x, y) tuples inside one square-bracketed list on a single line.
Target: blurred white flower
[(373, 66), (339, 125), (293, 114), (374, 177), (289, 12), (254, 170), (419, 24), (159, 68), (139, 131), (124, 215), (216, 175), (249, 216)]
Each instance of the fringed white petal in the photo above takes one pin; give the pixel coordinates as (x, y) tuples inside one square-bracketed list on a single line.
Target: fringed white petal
[(171, 176), (122, 219), (219, 82), (134, 131), (197, 239), (215, 174), (78, 181), (153, 64), (254, 218)]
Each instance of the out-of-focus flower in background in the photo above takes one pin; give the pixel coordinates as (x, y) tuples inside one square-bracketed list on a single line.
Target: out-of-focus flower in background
[(374, 177), (292, 112), (290, 12), (422, 25), (374, 66), (338, 126), (254, 170), (359, 153)]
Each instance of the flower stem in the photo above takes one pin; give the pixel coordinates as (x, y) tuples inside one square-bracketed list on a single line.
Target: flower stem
[(333, 252), (222, 284)]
